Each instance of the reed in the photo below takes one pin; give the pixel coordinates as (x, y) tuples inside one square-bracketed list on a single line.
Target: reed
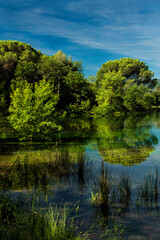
[(148, 191), (124, 188), (51, 224), (102, 188), (110, 192)]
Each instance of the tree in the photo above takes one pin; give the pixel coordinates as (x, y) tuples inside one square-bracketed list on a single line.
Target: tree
[(17, 61), (74, 91), (20, 62), (77, 95), (110, 95), (124, 84), (32, 110), (130, 69), (157, 94), (138, 97)]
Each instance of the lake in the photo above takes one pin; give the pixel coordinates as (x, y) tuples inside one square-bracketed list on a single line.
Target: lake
[(71, 169)]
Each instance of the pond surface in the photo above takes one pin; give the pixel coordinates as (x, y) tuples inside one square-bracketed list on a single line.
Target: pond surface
[(69, 170)]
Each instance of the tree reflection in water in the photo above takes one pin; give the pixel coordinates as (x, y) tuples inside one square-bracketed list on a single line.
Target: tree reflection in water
[(125, 141)]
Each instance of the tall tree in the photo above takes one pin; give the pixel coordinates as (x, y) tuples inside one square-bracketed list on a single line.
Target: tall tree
[(124, 84), (131, 69), (110, 95), (17, 61)]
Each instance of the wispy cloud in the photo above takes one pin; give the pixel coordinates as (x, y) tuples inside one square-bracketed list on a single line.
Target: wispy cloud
[(123, 27)]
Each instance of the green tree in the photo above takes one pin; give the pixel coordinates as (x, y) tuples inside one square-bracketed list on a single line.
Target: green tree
[(138, 97), (32, 110), (157, 94), (110, 95), (78, 94), (130, 69), (17, 61), (74, 91), (20, 62), (124, 84)]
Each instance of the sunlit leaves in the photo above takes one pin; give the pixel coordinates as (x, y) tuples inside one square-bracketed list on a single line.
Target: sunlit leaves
[(32, 110)]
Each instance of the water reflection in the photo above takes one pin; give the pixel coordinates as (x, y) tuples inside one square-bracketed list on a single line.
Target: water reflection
[(125, 141), (68, 168), (119, 207), (41, 171)]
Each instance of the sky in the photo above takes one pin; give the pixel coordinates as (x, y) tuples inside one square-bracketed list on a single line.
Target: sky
[(93, 31)]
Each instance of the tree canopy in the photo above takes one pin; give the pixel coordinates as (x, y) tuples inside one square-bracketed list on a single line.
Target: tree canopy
[(32, 109), (131, 69), (124, 85), (40, 92), (19, 62)]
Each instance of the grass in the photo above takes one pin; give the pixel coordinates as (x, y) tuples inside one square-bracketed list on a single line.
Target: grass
[(124, 188), (102, 189), (108, 190), (113, 196), (111, 193), (148, 192), (51, 224)]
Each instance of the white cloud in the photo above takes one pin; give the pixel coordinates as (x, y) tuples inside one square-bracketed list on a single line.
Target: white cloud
[(112, 26)]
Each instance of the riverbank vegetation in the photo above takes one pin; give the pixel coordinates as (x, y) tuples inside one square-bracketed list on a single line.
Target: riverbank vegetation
[(39, 92), (17, 223)]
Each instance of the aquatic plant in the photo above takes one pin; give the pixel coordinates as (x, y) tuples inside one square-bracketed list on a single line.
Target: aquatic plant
[(110, 192), (51, 224), (148, 192), (103, 190), (124, 187)]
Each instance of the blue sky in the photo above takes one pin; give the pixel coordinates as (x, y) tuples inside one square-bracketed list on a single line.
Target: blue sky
[(93, 31)]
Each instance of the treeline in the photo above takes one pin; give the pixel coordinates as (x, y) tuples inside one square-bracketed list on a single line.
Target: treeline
[(38, 92)]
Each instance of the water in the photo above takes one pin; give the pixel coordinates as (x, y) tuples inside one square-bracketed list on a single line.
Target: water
[(66, 171)]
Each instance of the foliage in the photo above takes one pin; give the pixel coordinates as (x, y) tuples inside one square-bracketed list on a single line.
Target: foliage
[(138, 97), (52, 224), (120, 85), (157, 94), (124, 84), (32, 109), (130, 69), (110, 94), (17, 61), (77, 94), (108, 190)]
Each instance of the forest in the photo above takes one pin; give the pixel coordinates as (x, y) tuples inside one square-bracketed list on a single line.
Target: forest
[(39, 93)]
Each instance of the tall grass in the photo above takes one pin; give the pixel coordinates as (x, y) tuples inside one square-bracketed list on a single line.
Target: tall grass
[(102, 187), (124, 187), (109, 190), (148, 191), (51, 224)]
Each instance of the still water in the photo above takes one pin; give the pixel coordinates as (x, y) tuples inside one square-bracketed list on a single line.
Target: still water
[(67, 171)]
